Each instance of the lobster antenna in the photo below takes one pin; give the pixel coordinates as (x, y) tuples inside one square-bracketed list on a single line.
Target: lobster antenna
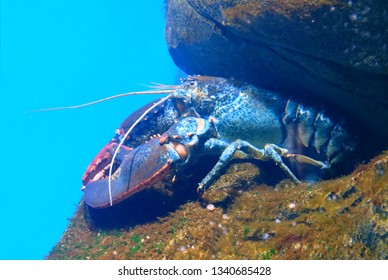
[(123, 139), (161, 86), (160, 91)]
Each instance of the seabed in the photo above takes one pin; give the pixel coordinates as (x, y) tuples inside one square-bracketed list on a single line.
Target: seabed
[(240, 217)]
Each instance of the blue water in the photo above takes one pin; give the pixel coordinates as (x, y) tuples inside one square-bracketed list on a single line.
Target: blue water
[(59, 53)]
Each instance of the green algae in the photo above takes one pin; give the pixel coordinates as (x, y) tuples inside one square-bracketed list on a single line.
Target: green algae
[(343, 218)]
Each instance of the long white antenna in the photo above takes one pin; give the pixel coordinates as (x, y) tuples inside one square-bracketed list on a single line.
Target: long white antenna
[(161, 91)]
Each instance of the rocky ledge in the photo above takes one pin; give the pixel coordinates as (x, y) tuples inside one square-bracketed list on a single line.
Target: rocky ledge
[(332, 50), (240, 217)]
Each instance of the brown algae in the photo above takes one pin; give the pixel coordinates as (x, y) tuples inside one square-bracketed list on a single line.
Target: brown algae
[(344, 218)]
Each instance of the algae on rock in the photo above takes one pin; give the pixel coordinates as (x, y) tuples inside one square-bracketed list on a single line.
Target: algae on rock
[(343, 218)]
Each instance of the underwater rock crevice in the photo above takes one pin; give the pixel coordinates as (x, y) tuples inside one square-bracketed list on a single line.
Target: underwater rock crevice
[(258, 41)]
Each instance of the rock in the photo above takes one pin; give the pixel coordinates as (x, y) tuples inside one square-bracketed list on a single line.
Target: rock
[(335, 51), (263, 222)]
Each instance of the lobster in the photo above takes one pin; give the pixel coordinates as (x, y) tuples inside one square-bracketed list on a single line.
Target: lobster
[(212, 115)]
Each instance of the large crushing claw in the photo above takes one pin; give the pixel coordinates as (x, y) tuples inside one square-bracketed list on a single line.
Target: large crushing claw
[(144, 166), (152, 119), (151, 163)]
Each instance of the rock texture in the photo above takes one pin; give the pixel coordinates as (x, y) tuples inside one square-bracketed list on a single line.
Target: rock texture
[(242, 218), (332, 50)]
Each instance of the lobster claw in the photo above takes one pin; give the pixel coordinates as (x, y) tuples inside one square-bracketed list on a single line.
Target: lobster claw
[(148, 164), (100, 164)]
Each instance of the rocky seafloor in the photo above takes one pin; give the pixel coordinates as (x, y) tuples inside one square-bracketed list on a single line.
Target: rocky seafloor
[(240, 217)]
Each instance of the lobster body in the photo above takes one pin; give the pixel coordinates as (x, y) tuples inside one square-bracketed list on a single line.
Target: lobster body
[(258, 116), (218, 116)]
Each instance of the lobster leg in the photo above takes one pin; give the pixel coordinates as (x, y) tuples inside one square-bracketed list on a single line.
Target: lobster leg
[(270, 152), (307, 160)]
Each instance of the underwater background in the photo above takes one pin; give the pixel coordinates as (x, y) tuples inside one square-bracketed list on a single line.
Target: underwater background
[(64, 53), (60, 53)]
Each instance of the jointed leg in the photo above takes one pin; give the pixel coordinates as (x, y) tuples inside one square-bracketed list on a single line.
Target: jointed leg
[(270, 152)]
